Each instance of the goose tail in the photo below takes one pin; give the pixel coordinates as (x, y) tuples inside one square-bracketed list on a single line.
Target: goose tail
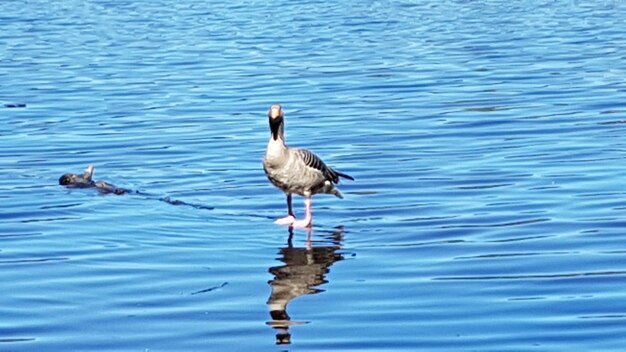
[(336, 193), (341, 174)]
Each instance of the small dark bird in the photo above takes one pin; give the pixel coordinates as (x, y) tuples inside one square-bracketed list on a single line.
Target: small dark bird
[(70, 180), (84, 181)]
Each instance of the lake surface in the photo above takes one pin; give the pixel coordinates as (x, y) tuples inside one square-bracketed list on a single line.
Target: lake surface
[(487, 140)]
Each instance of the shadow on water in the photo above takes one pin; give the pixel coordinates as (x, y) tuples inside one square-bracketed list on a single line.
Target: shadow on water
[(303, 271)]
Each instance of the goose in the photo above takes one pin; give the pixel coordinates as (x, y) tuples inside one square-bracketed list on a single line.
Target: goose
[(296, 170)]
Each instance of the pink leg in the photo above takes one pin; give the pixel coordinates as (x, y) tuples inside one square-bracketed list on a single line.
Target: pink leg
[(287, 220), (306, 222), (290, 218)]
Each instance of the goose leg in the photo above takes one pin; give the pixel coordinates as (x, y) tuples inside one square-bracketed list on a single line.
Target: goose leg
[(290, 218), (306, 222)]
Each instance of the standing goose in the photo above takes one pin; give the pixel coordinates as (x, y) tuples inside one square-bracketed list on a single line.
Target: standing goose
[(296, 170)]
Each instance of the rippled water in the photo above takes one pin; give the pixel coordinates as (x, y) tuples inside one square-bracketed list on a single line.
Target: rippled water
[(487, 140)]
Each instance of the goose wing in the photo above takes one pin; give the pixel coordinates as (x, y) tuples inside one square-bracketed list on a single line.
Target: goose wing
[(313, 161)]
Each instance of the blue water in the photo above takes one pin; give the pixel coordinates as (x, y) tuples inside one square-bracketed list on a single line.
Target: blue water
[(487, 139)]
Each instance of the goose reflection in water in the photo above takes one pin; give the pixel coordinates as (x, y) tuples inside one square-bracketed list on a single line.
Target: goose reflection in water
[(304, 270)]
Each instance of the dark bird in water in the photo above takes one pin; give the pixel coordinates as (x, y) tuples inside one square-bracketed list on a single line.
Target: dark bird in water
[(70, 180), (84, 181), (296, 170)]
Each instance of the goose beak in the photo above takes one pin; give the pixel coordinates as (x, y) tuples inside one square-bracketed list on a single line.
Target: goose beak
[(275, 112), (276, 120)]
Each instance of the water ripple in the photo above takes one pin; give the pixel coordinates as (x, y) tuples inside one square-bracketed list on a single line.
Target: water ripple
[(534, 276)]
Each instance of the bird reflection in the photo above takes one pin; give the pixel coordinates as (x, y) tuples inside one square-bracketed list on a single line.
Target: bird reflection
[(304, 270)]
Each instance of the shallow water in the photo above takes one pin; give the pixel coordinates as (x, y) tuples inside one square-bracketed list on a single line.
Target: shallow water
[(486, 139)]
